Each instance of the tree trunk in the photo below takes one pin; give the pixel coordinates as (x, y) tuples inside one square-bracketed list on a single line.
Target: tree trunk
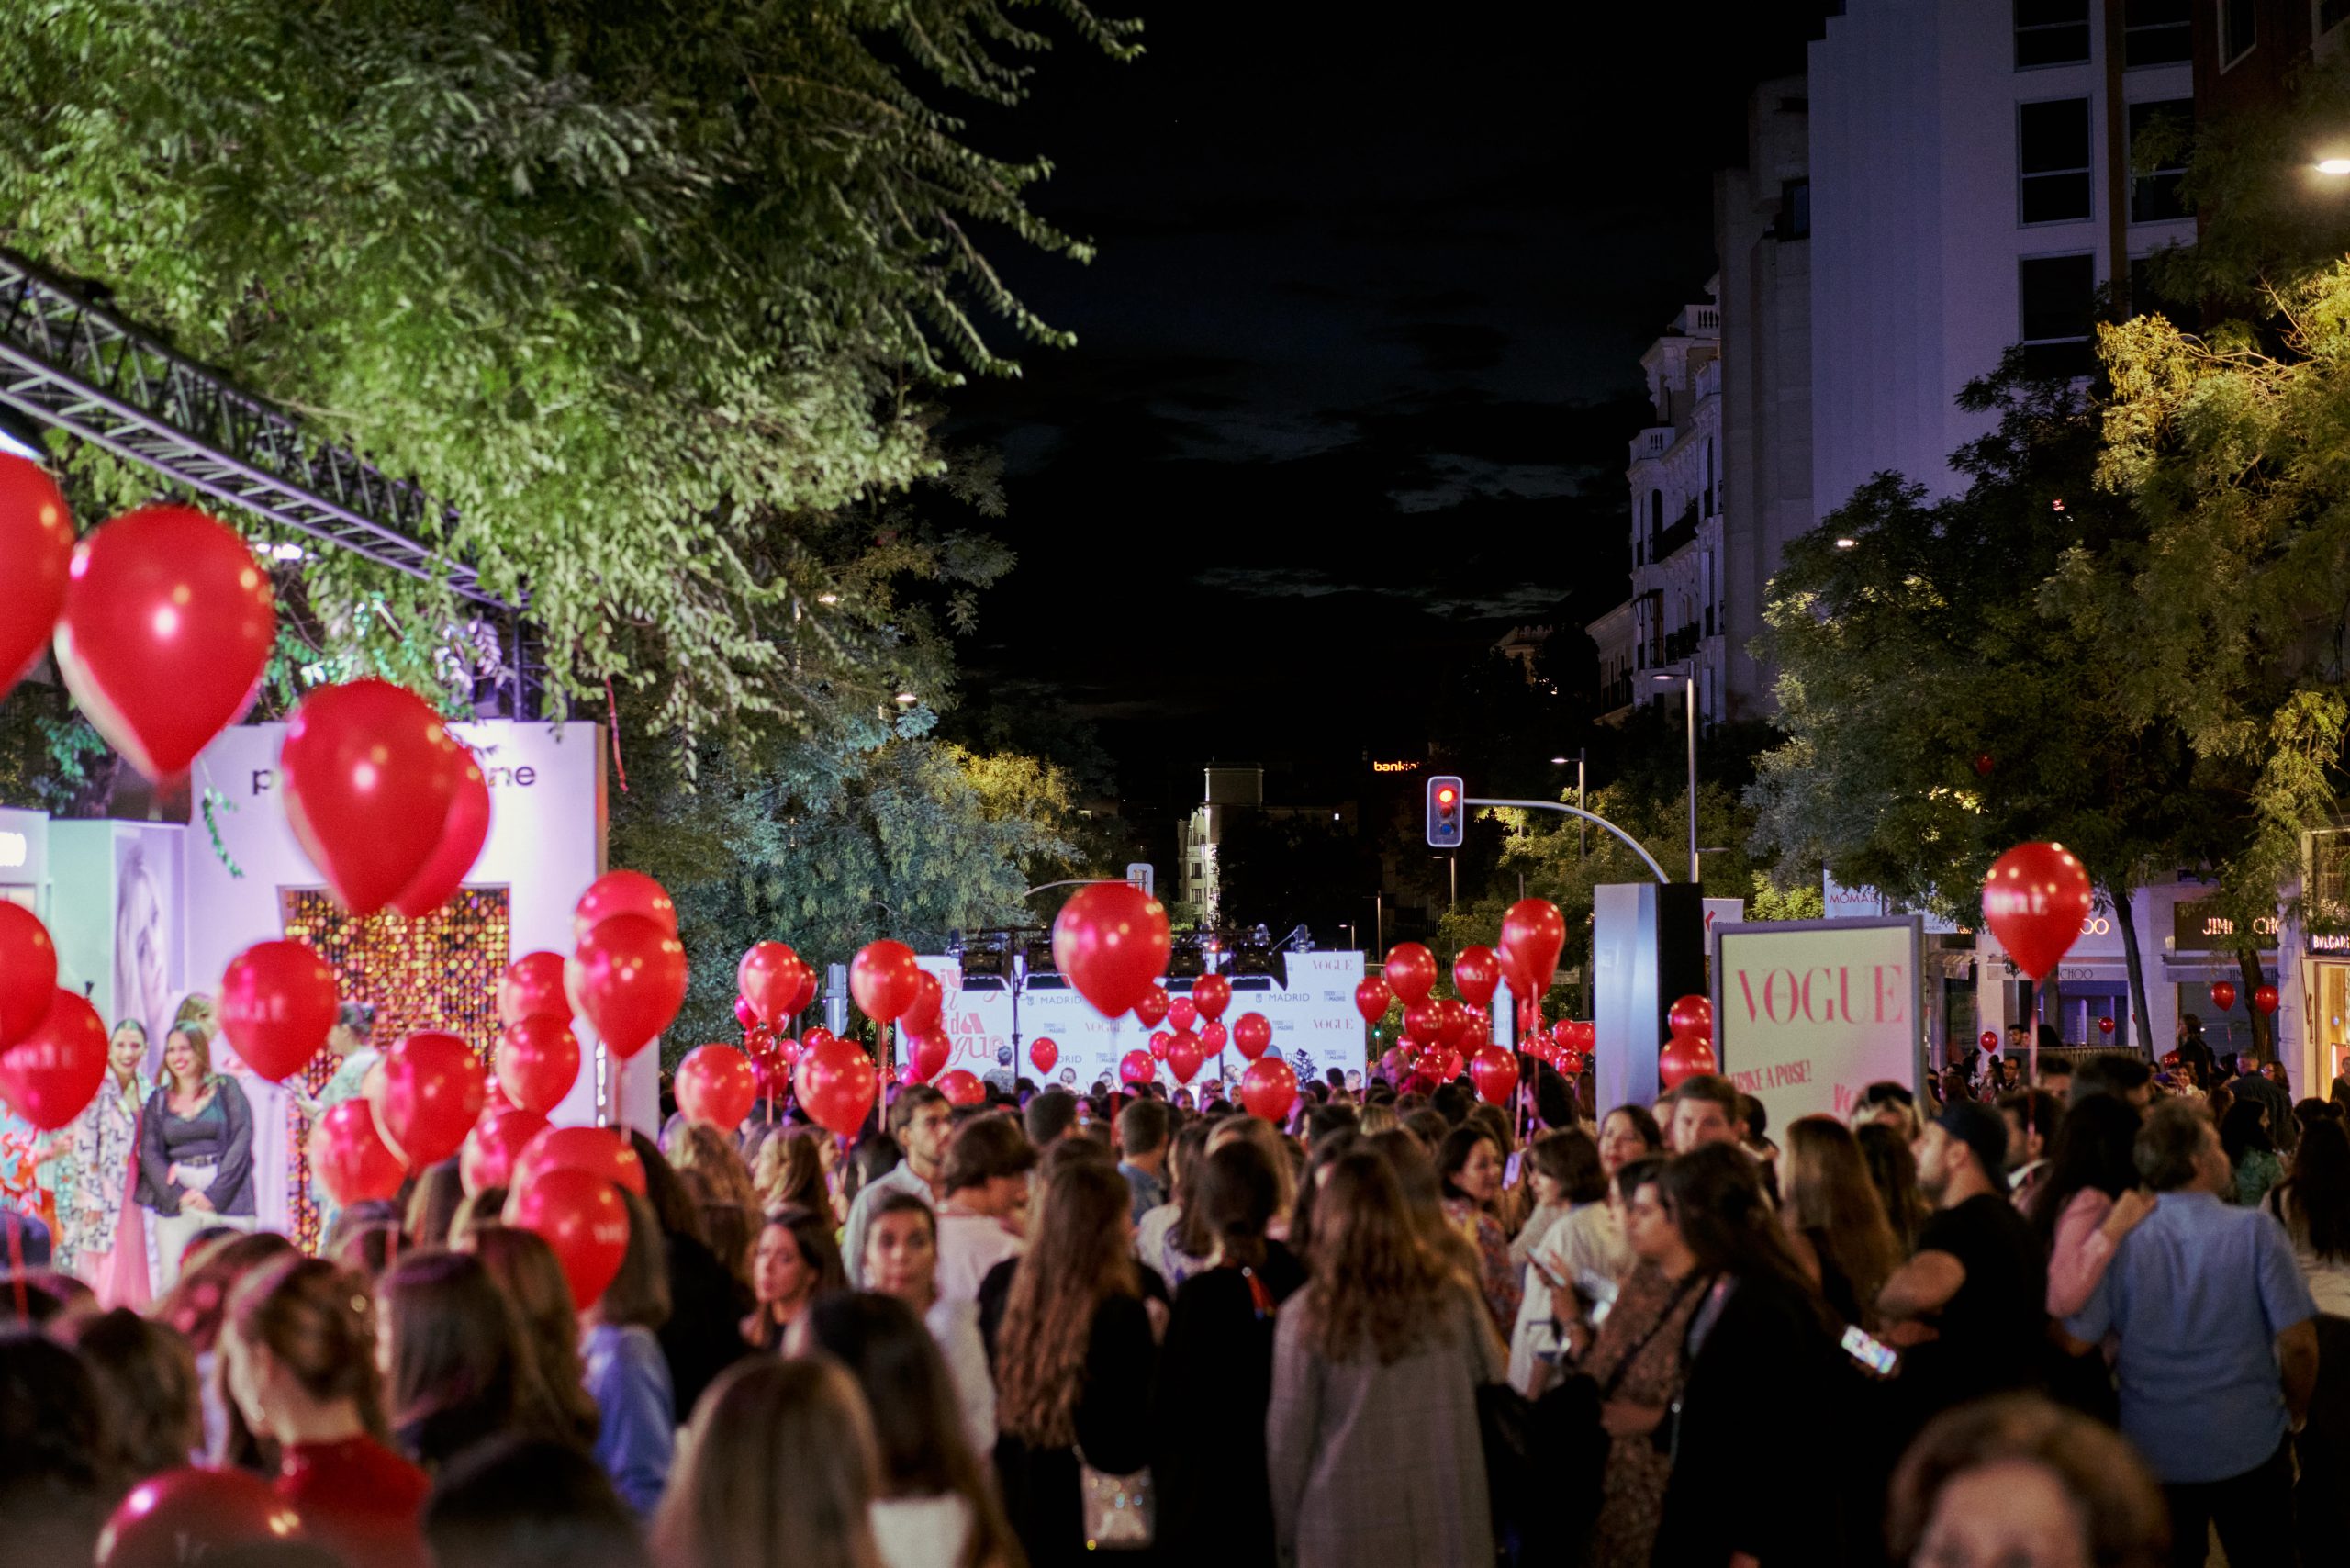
[(2263, 1026), (2129, 924)]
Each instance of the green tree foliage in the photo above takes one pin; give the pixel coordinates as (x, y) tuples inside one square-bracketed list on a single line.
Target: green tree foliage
[(638, 289)]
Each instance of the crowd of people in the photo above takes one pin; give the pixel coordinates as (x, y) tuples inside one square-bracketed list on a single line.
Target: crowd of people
[(2098, 1319)]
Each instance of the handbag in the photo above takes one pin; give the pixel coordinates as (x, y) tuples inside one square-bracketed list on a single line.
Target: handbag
[(1120, 1510)]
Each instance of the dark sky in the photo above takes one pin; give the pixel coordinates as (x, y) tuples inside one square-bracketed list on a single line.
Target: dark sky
[(1357, 364)]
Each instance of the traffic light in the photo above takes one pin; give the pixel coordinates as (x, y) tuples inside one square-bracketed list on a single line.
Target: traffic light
[(1446, 812)]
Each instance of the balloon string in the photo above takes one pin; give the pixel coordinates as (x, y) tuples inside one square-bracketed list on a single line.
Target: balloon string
[(612, 703)]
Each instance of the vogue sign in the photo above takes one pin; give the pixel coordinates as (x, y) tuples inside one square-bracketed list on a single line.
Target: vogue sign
[(1807, 1013)]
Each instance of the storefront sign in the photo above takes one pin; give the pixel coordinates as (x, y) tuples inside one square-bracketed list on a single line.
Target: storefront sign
[(2198, 928), (1807, 1013)]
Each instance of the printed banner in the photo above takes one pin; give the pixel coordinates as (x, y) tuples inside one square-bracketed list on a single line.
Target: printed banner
[(1808, 1014)]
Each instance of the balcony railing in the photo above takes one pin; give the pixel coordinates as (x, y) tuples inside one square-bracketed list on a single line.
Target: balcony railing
[(1654, 441)]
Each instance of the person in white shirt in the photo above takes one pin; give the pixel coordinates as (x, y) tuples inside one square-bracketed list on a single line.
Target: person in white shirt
[(982, 1219), (922, 1123)]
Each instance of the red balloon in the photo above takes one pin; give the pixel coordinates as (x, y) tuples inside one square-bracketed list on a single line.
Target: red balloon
[(1454, 1023), (835, 1081), (537, 1061), (1410, 972), (2105, 1025), (629, 977), (1532, 933), (1184, 1054), (600, 1151), (909, 1074), (1136, 1067), (1424, 1020), (1211, 994), (771, 978), (2224, 995), (1252, 1033), (167, 626), (1440, 1063), (715, 1084), (1494, 1072), (37, 541), (1043, 1054), (431, 1093), (1269, 1088), (1151, 1010), (580, 1215), (462, 836), (27, 969), (930, 1001), (1988, 1039), (192, 1515), (622, 892), (2265, 999), (370, 771), (884, 979), (53, 1073), (817, 1037), (349, 1157), (1692, 1016), (1111, 942), (1371, 997), (962, 1088), (1213, 1037), (494, 1102), (496, 1142), (1475, 973), (1984, 763), (1685, 1057), (533, 987), (928, 1055), (2034, 900), (1182, 1013), (277, 1002), (1160, 1039), (743, 1014)]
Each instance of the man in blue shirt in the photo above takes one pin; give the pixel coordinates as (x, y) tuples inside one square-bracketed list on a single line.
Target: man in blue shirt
[(2219, 1345), (1143, 1136)]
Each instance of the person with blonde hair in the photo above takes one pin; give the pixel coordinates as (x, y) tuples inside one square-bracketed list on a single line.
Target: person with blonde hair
[(781, 1466), (706, 1160), (1835, 1222), (795, 1170), (102, 1231)]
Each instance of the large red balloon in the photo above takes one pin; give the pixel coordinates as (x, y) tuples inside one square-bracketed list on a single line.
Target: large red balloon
[(167, 627), (1424, 1020), (462, 836), (27, 969), (533, 987), (747, 1016), (194, 1515), (1684, 1056), (622, 892), (776, 982), (1453, 1032), (1211, 994), (2265, 999), (1043, 1054), (370, 771), (1475, 973), (37, 541), (350, 1157), (277, 1001), (53, 1073), (1494, 1072), (930, 1001), (1441, 1063), (600, 1151), (1410, 972), (496, 1142), (1150, 1011), (1692, 1016), (537, 1062), (928, 1055), (1182, 1014), (836, 1082), (961, 1088), (1253, 1032), (885, 980), (1212, 1038), (629, 977), (1111, 942), (1269, 1088), (715, 1084), (2224, 995), (1185, 1053), (1989, 1039), (1160, 1040), (431, 1095), (1136, 1067), (1532, 933), (2034, 900), (581, 1215), (1372, 998)]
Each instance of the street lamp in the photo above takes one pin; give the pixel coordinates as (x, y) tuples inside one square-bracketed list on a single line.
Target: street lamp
[(1685, 671), (2336, 166)]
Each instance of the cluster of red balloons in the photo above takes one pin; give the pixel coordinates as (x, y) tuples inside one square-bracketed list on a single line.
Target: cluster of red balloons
[(391, 808), (2265, 998), (627, 972), (53, 1043), (1690, 1051), (1566, 1045)]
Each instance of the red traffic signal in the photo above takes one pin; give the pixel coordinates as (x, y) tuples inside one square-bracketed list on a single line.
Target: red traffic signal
[(1446, 812)]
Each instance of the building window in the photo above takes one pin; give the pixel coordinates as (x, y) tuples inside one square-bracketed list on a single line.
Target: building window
[(2057, 295), (1795, 207), (2052, 158), (2052, 32), (2160, 135), (2239, 29), (2157, 32)]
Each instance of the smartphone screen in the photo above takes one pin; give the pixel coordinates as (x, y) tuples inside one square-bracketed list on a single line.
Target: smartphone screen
[(1509, 1172), (1878, 1357)]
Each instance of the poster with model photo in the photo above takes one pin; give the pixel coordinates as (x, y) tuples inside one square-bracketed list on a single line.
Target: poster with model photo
[(149, 972)]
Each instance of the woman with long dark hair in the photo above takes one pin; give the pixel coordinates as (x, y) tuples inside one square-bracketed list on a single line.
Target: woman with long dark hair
[(1174, 1237), (2251, 1144), (1835, 1221), (530, 1277), (458, 1366), (1583, 1248), (1893, 1170), (2313, 1203), (196, 1150), (936, 1508), (781, 1467), (1374, 1449), (795, 1263), (1470, 1164), (2088, 1200), (1074, 1361)]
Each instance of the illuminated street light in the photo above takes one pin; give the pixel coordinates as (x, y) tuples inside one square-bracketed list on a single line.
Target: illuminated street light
[(1847, 543), (828, 599), (907, 698), (2333, 165)]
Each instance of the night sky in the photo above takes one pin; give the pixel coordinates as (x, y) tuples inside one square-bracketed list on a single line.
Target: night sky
[(1357, 366)]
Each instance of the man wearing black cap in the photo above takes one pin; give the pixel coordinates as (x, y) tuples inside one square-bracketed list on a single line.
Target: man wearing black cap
[(1977, 1282)]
